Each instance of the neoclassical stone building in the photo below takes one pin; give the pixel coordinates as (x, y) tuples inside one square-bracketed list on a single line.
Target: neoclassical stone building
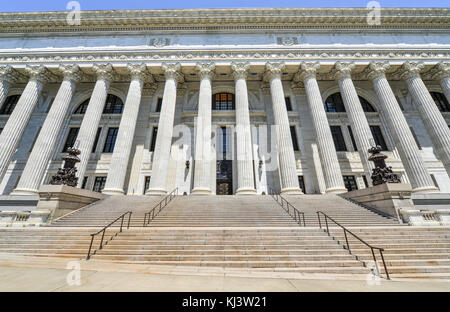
[(229, 101)]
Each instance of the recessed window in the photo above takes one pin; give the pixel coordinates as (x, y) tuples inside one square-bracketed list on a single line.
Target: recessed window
[(335, 104), (338, 139), (301, 182), (81, 109), (154, 136), (288, 104), (159, 105), (441, 101), (110, 140), (114, 105), (355, 147), (147, 184), (71, 138), (294, 138), (97, 137), (350, 183), (99, 184), (378, 137), (223, 101), (9, 105)]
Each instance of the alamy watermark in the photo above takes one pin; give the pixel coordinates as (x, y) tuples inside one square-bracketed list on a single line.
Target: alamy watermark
[(374, 15), (74, 16), (73, 278)]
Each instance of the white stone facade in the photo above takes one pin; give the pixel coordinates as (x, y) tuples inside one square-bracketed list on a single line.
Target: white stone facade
[(261, 56)]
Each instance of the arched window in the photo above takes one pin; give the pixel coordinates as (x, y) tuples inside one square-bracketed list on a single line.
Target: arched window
[(223, 101), (441, 101), (335, 104), (9, 105), (114, 105)]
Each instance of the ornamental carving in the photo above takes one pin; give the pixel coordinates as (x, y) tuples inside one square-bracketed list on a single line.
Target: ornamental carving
[(343, 70), (240, 70), (377, 70), (411, 70), (206, 70), (160, 42), (39, 73), (274, 70), (287, 41), (71, 72), (104, 71), (8, 74)]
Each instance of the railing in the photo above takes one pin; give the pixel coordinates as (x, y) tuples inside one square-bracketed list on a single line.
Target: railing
[(372, 248), (297, 215), (149, 216), (103, 231)]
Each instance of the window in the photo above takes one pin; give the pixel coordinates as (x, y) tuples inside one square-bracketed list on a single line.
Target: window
[(114, 105), (353, 139), (335, 104), (350, 183), (83, 185), (378, 137), (288, 104), (224, 142), (97, 137), (441, 101), (71, 138), (366, 106), (415, 138), (159, 105), (111, 140), (301, 181), (99, 184), (82, 108), (223, 101), (147, 184), (338, 139), (9, 105), (294, 138), (154, 136)]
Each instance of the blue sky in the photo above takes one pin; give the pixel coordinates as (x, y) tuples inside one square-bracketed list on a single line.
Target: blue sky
[(60, 5)]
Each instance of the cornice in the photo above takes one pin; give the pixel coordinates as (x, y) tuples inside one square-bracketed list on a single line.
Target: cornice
[(225, 19)]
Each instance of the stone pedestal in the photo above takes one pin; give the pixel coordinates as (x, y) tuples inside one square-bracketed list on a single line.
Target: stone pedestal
[(60, 200)]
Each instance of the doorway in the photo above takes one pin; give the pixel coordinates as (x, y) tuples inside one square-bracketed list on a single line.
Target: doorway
[(224, 177)]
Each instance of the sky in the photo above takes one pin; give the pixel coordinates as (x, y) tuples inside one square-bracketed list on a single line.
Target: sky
[(61, 5)]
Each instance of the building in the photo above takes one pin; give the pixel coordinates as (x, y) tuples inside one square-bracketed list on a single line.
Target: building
[(142, 90)]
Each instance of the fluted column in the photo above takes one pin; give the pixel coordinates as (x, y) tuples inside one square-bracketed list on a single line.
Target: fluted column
[(165, 131), (331, 170), (202, 167), (91, 120), (356, 115), (8, 76), (443, 74), (432, 118), (37, 163), (286, 155), (119, 161), (245, 175), (18, 121), (403, 139)]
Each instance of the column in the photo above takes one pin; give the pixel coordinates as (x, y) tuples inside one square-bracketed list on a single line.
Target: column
[(245, 175), (37, 163), (165, 130), (286, 155), (432, 118), (443, 74), (398, 127), (332, 172), (91, 120), (18, 121), (8, 76), (119, 162), (202, 160), (356, 115)]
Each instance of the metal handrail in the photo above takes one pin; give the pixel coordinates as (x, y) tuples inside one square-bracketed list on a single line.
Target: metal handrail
[(122, 218), (297, 215), (149, 216), (372, 248)]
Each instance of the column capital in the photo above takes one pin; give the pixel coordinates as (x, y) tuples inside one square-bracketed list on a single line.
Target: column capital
[(240, 70), (274, 70), (377, 70), (172, 71), (38, 73), (411, 70), (139, 72), (8, 74), (149, 88), (104, 71), (441, 71), (343, 70), (298, 87), (307, 70), (71, 72), (206, 70)]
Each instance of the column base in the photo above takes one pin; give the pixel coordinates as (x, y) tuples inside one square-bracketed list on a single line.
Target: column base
[(246, 191), (336, 190), (17, 192), (116, 192), (156, 192), (426, 189), (291, 191), (201, 191)]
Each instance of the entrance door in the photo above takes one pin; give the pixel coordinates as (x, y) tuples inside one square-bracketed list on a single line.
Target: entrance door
[(224, 177)]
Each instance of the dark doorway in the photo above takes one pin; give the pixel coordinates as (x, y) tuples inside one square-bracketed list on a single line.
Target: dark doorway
[(224, 177)]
